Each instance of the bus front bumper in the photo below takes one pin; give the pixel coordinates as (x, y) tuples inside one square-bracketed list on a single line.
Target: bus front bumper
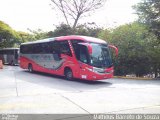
[(94, 75)]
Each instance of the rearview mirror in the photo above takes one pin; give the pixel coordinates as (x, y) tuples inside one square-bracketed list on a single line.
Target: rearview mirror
[(115, 48)]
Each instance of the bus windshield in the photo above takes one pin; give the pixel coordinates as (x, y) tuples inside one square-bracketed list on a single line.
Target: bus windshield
[(100, 56)]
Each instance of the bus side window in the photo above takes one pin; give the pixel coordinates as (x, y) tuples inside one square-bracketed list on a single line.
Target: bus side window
[(22, 49), (26, 49), (64, 48), (83, 55), (43, 48), (36, 48), (53, 48), (59, 47), (56, 57), (76, 47)]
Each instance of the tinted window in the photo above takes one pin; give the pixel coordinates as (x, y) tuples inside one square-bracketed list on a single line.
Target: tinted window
[(83, 55), (55, 47), (39, 48), (100, 56), (26, 49), (80, 51), (1, 51), (48, 47), (45, 47), (75, 42), (60, 47), (76, 47), (8, 52), (65, 49)]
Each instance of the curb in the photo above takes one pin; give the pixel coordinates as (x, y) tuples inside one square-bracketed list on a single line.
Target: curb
[(135, 78)]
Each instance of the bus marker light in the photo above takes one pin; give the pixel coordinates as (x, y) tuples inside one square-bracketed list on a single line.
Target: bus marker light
[(84, 76)]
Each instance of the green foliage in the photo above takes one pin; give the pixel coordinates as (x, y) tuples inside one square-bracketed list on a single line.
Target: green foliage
[(61, 30), (8, 37), (149, 13), (86, 29), (34, 35), (134, 43), (24, 37), (12, 38), (37, 34)]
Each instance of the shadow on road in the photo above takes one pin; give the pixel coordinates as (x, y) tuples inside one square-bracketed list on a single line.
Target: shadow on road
[(74, 80), (59, 82)]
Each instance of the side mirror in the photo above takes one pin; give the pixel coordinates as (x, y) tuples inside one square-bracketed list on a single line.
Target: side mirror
[(89, 49), (115, 48)]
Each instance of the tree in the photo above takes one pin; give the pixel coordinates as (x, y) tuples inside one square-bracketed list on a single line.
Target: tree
[(25, 37), (37, 34), (32, 36), (149, 13), (154, 52), (88, 29), (8, 36), (76, 9), (85, 29), (135, 48), (61, 30)]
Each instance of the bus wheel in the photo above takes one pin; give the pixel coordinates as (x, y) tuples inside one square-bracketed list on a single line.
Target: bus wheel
[(30, 68), (12, 63), (68, 74)]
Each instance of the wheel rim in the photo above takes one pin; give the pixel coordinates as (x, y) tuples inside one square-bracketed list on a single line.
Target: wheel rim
[(30, 68), (69, 75)]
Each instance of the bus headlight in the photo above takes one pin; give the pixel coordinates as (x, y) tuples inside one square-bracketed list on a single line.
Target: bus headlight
[(98, 70), (90, 69)]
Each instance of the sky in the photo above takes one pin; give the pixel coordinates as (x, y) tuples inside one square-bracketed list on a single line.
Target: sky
[(38, 14)]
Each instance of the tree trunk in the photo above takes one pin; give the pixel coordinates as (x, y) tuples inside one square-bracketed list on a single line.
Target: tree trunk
[(64, 13), (76, 20), (156, 72)]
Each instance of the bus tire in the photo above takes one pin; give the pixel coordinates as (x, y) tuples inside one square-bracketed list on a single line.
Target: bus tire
[(68, 74), (30, 68), (12, 64)]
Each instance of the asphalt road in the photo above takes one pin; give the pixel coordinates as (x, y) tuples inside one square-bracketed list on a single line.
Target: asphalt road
[(24, 92)]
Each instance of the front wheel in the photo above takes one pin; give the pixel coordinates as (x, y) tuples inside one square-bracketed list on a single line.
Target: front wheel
[(30, 68), (12, 63), (68, 74)]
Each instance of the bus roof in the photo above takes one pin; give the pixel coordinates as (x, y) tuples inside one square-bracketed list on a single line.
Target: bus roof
[(71, 37), (40, 41), (85, 38), (9, 48)]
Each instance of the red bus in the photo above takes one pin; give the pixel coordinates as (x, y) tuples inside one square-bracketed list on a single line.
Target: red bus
[(79, 57)]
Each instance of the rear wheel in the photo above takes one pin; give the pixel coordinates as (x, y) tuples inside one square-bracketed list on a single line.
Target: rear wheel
[(68, 74), (30, 68)]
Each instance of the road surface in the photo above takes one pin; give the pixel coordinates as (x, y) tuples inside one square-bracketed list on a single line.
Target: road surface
[(23, 92)]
